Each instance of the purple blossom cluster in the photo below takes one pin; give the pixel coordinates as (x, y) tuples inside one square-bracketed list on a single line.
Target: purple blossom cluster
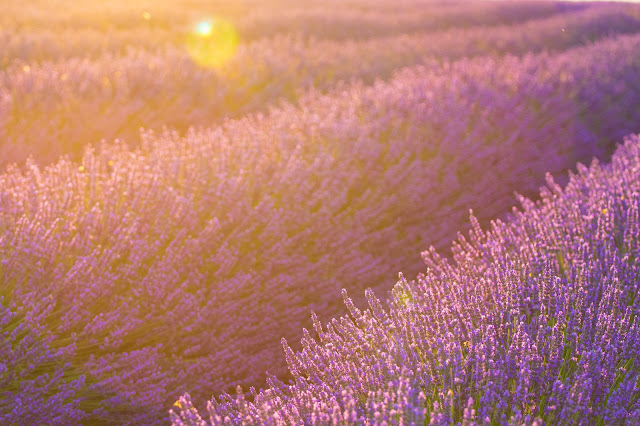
[(58, 107), (534, 321), (177, 265)]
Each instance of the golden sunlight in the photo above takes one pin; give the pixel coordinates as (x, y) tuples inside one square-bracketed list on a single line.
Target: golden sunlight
[(212, 43)]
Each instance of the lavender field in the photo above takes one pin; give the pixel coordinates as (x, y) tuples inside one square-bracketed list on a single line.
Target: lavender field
[(205, 206)]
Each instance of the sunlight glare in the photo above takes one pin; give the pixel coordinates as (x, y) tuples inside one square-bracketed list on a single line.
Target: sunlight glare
[(212, 43), (204, 28)]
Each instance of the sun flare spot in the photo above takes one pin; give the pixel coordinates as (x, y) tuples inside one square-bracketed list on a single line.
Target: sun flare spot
[(212, 43), (204, 28)]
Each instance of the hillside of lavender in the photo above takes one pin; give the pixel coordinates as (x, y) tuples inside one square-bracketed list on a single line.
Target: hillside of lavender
[(187, 188)]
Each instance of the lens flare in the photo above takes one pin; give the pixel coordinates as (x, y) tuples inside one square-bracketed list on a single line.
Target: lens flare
[(212, 43), (204, 28)]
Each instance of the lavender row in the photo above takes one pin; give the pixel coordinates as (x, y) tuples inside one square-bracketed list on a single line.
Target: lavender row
[(58, 108), (176, 266), (534, 321), (51, 33)]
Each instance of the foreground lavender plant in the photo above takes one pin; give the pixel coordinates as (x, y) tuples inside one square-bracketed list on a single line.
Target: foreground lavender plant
[(30, 389), (536, 321)]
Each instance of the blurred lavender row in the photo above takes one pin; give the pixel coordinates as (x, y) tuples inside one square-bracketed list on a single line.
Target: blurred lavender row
[(535, 321), (177, 266), (56, 108), (49, 32)]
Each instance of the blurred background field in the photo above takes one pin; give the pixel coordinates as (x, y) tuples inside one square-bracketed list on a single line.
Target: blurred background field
[(70, 79), (184, 181)]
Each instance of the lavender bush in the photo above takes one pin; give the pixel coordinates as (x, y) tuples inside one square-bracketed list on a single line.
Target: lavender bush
[(36, 383), (535, 321), (176, 266), (53, 108)]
